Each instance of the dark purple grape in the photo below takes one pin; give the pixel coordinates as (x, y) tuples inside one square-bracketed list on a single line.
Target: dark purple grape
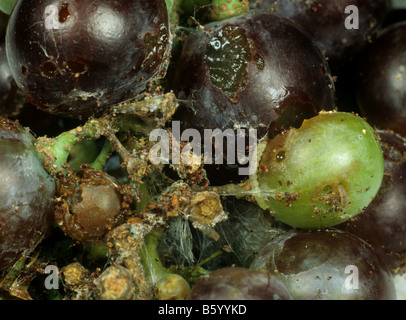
[(254, 70), (234, 283), (381, 87), (7, 85), (15, 106), (3, 24), (326, 265), (325, 21), (383, 223), (26, 194), (75, 58)]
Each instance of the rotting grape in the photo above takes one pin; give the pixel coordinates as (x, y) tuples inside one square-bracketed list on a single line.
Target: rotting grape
[(76, 59), (321, 174), (115, 283), (26, 194), (91, 203), (326, 265)]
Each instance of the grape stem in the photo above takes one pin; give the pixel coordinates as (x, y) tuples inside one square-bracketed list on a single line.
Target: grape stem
[(238, 190), (151, 262), (155, 271), (104, 154), (130, 117)]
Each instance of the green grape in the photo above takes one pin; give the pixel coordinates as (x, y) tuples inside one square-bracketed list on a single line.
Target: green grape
[(213, 10), (174, 10), (7, 5), (221, 10), (321, 174)]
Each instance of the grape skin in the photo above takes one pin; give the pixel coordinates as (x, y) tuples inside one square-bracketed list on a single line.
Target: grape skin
[(26, 194), (313, 266)]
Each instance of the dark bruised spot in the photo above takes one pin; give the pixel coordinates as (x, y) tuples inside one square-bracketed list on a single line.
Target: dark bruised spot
[(64, 12), (49, 69), (227, 57)]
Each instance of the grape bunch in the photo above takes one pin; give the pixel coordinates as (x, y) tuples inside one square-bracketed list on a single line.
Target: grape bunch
[(202, 149)]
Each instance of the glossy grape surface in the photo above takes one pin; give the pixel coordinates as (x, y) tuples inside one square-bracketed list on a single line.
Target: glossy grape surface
[(26, 194), (333, 28), (6, 82), (321, 174), (383, 223), (381, 82), (75, 58), (326, 265), (239, 284)]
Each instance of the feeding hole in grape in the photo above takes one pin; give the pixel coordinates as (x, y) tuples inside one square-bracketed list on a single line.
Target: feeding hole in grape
[(75, 67), (280, 156), (327, 189), (64, 12), (49, 69)]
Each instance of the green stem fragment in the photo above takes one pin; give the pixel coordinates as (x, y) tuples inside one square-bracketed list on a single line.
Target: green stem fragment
[(167, 285), (214, 255), (151, 262), (12, 274), (61, 147), (238, 190), (104, 154)]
